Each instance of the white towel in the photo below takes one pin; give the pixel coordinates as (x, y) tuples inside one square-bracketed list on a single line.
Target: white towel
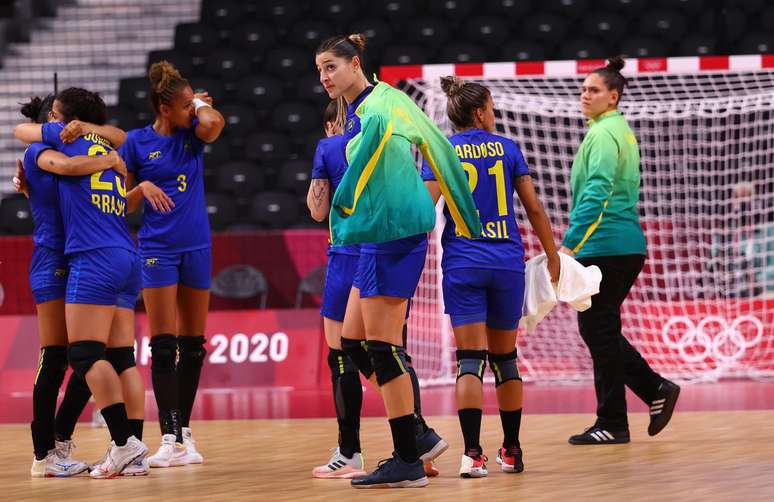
[(577, 284)]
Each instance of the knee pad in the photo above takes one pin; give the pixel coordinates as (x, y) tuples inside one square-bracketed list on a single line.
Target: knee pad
[(192, 347), (163, 353), (340, 363), (82, 356), (389, 361), (122, 358), (504, 367), (52, 366), (471, 362), (358, 354)]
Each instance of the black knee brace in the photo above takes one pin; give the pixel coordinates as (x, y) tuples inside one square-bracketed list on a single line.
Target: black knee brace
[(122, 358), (471, 362), (405, 343), (358, 354), (82, 356), (192, 348), (52, 366), (163, 353), (389, 361), (340, 363), (504, 367)]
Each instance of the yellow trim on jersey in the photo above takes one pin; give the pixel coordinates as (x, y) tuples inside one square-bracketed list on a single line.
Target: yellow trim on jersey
[(369, 169), (462, 227), (591, 229)]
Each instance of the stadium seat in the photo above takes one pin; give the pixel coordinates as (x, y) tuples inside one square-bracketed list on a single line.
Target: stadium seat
[(143, 117), (378, 34), (427, 32), (310, 144), (274, 209), (628, 8), (733, 22), (512, 9), (240, 178), (227, 65), (581, 48), (194, 38), (696, 45), (662, 24), (221, 13), (221, 210), (181, 61), (310, 89), (548, 28), (756, 43), (310, 34), (294, 176), (337, 13), (606, 27), (260, 90), (567, 8), (487, 30), (238, 116), (253, 38), (122, 118), (239, 282), (15, 215), (288, 63), (463, 53), (313, 284), (643, 48), (296, 117), (404, 54), (454, 10), (767, 19), (133, 93), (282, 13), (268, 147), (210, 85), (394, 10), (521, 50), (216, 153), (690, 7)]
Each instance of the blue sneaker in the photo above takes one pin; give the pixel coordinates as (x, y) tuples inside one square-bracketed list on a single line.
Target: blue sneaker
[(430, 445), (394, 473)]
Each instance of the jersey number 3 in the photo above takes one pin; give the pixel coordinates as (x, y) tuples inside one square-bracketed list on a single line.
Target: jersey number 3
[(181, 183)]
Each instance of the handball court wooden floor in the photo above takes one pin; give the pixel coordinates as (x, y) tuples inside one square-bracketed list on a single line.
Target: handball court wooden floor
[(719, 455)]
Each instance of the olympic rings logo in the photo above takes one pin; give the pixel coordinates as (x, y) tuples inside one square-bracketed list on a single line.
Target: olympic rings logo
[(712, 337)]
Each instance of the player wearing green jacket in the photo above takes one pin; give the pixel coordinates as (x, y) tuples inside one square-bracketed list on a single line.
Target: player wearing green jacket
[(605, 231)]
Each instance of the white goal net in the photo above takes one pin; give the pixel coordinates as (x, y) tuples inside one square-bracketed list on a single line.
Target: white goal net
[(703, 307)]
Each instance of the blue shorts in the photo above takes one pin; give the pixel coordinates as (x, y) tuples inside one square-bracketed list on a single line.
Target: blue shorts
[(105, 276), (391, 274), (338, 283), (189, 268), (473, 295), (48, 274)]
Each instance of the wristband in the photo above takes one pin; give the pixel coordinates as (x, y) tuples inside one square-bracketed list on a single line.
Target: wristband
[(198, 103)]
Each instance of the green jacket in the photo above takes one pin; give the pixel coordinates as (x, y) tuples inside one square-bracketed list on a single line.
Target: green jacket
[(381, 196), (605, 183)]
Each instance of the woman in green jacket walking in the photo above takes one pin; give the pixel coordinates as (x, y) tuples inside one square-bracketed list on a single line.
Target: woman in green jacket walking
[(605, 231)]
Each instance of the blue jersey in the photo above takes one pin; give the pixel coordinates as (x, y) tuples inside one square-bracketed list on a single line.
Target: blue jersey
[(44, 201), (174, 164), (330, 164), (492, 163), (93, 207)]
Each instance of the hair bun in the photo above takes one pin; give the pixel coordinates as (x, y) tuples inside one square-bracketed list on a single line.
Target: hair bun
[(161, 73), (32, 109), (616, 63), (452, 85), (358, 40)]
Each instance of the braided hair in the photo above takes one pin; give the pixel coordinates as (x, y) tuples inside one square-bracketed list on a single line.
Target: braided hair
[(165, 82), (464, 98)]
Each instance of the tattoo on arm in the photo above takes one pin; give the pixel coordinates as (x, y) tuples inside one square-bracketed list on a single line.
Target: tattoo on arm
[(319, 192)]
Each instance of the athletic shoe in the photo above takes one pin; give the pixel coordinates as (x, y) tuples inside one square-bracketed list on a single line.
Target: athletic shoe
[(393, 473), (140, 467), (473, 465), (192, 454), (662, 407), (64, 450), (430, 445), (598, 435), (170, 454), (118, 457), (431, 470), (340, 467), (510, 459), (54, 466)]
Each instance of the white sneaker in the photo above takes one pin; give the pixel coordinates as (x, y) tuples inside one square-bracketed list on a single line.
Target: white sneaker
[(140, 467), (340, 467), (192, 456), (118, 457), (170, 453), (54, 466), (471, 467)]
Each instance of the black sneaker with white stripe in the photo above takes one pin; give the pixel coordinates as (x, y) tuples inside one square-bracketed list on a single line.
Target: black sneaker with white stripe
[(662, 407), (598, 435)]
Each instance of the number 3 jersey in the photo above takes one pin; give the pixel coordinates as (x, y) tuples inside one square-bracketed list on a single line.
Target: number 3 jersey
[(174, 164), (492, 164), (93, 207)]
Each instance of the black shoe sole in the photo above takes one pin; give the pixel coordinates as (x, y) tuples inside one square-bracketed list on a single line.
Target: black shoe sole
[(584, 442), (665, 416)]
